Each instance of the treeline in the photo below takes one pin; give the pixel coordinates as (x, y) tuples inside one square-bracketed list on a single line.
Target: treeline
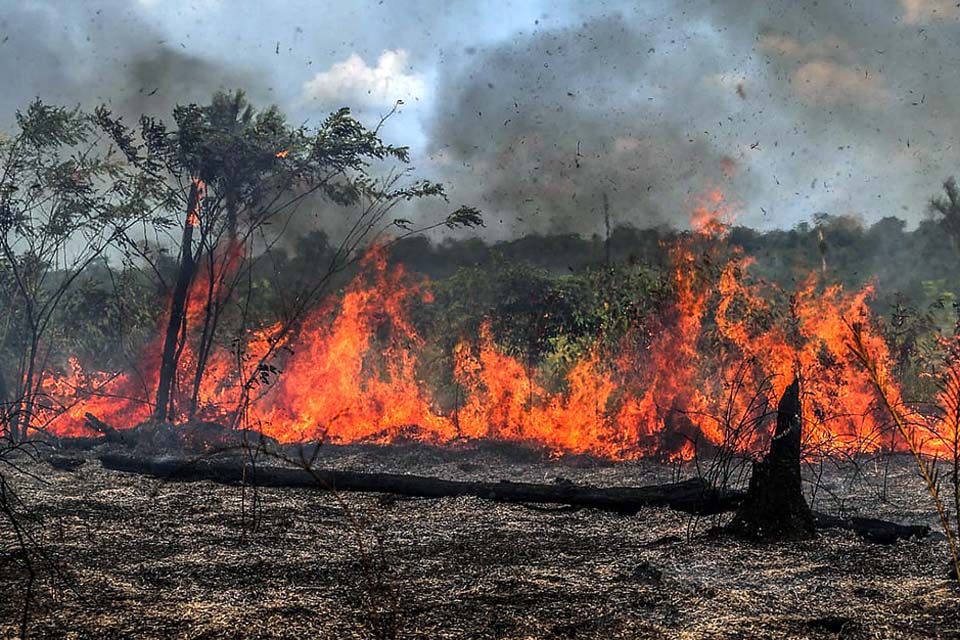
[(110, 233), (548, 297), (914, 264)]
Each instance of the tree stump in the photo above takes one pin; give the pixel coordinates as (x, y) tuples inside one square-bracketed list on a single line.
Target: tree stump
[(774, 507)]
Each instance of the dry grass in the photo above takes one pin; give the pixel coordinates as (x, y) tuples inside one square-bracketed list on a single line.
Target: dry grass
[(152, 560)]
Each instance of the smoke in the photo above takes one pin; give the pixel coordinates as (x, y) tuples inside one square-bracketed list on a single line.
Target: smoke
[(792, 108), (103, 52), (546, 125), (851, 102)]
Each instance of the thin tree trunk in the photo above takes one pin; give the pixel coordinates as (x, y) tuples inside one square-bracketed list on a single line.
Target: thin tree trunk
[(5, 409), (25, 408), (206, 337), (178, 307), (215, 297), (232, 215)]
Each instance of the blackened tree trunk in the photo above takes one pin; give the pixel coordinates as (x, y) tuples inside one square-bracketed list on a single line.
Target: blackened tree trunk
[(232, 207), (218, 291), (5, 410), (774, 508), (178, 308)]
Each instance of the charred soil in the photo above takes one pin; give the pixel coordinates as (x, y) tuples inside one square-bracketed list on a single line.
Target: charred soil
[(140, 558)]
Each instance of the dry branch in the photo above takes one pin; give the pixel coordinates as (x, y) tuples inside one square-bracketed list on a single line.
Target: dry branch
[(691, 496)]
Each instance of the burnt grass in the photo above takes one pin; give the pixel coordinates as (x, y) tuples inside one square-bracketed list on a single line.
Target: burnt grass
[(133, 557)]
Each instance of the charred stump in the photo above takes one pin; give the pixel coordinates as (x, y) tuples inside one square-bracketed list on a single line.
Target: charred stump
[(774, 507)]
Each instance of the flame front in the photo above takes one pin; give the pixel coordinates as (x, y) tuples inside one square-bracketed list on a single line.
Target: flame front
[(711, 368)]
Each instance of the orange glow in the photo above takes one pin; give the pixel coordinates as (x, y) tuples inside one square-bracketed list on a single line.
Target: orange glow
[(355, 378), (282, 154), (713, 365), (193, 217)]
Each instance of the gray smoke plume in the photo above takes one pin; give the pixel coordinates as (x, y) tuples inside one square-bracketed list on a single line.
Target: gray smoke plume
[(855, 100), (544, 126), (90, 53), (792, 108)]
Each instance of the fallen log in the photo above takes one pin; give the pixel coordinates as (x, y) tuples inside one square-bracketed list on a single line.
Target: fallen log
[(690, 496), (76, 443), (196, 436), (100, 426), (872, 529), (108, 435)]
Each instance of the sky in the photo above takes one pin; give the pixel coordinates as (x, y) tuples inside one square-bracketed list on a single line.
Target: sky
[(535, 111)]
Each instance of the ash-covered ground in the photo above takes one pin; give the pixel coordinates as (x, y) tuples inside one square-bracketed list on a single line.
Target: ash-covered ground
[(134, 557)]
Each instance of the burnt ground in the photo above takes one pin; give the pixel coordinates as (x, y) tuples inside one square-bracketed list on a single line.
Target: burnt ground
[(139, 558)]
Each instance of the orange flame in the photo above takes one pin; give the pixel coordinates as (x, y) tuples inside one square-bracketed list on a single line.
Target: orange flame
[(193, 218), (713, 366)]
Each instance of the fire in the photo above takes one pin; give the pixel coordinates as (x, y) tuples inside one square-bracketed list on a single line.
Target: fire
[(355, 378), (193, 218), (712, 216), (282, 154), (708, 375)]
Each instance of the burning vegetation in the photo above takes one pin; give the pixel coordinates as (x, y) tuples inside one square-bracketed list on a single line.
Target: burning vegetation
[(701, 372), (218, 330)]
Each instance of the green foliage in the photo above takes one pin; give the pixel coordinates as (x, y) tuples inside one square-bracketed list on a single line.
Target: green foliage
[(56, 182), (947, 208), (547, 321), (64, 199), (107, 317)]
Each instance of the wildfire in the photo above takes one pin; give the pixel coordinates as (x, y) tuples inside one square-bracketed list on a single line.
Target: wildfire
[(714, 364), (193, 218)]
